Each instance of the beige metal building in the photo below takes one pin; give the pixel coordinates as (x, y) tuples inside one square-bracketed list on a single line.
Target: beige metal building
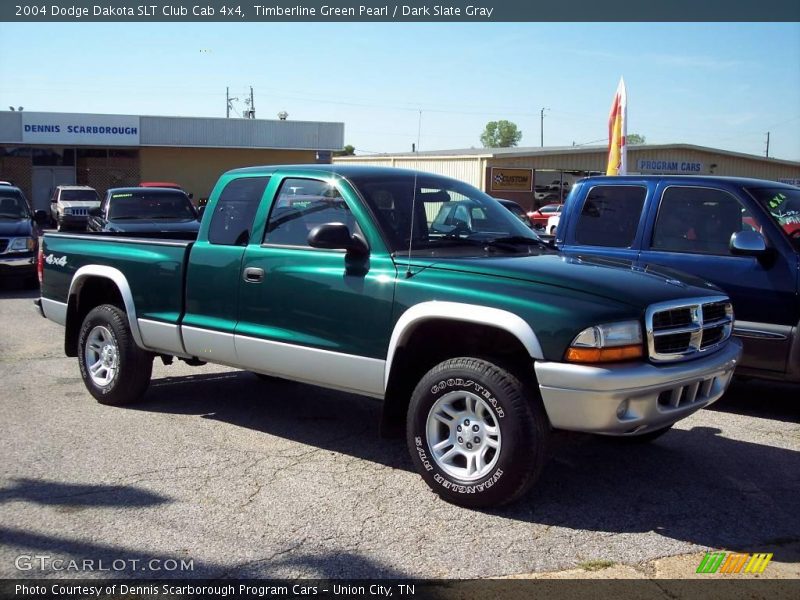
[(515, 173), (39, 151)]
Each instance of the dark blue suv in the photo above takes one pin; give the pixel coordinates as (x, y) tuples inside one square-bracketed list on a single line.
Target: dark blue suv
[(741, 234)]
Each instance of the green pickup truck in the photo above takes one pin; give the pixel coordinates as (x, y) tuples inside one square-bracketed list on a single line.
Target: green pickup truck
[(479, 338)]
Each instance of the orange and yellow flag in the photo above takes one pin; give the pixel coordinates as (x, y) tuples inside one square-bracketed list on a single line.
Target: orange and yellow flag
[(617, 131)]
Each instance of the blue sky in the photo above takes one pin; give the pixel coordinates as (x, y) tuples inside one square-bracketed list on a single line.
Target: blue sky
[(720, 85)]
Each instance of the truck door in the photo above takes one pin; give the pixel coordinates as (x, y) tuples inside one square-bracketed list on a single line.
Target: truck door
[(608, 223), (311, 314), (691, 232), (212, 280)]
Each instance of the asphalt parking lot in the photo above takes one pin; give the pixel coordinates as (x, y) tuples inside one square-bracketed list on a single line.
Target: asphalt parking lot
[(275, 479)]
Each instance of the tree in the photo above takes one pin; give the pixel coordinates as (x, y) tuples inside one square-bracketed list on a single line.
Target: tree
[(634, 139), (500, 134), (348, 150)]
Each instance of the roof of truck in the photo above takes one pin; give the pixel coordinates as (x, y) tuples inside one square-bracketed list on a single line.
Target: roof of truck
[(343, 170)]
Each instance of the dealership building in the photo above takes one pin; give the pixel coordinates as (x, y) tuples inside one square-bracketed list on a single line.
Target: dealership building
[(514, 173), (39, 150)]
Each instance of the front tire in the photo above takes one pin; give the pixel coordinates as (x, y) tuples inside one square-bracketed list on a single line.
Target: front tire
[(114, 369), (477, 434)]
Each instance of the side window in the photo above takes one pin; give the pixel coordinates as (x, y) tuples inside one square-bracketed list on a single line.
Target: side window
[(233, 216), (699, 220), (301, 205), (610, 215)]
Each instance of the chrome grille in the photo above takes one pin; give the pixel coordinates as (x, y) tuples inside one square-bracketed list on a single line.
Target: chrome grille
[(79, 212), (684, 329), (3, 245)]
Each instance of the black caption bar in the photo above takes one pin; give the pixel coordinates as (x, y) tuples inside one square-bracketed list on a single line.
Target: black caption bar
[(508, 589), (408, 11)]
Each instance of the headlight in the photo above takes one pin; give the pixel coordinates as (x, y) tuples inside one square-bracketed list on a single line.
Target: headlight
[(67, 211), (607, 343), (26, 244)]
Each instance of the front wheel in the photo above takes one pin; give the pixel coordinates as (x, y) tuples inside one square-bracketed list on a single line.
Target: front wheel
[(114, 369), (476, 433)]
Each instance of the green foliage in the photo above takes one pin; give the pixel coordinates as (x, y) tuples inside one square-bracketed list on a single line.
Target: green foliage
[(348, 150), (634, 139), (500, 134)]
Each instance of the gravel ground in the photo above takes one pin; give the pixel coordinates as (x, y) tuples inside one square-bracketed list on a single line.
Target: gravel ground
[(276, 479)]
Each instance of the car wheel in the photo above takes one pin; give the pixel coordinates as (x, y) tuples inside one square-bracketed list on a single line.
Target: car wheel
[(477, 434), (114, 369), (553, 230)]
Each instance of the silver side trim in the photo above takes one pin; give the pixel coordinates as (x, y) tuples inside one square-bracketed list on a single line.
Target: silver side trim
[(122, 240), (329, 369), (212, 346), (121, 282), (55, 310), (162, 336), (457, 311), (761, 331)]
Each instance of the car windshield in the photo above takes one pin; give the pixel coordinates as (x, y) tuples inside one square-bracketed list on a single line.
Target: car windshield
[(13, 205), (142, 204), (783, 205), (79, 196), (446, 212)]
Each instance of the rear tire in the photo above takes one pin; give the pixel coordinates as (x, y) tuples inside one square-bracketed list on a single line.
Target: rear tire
[(477, 434), (114, 369)]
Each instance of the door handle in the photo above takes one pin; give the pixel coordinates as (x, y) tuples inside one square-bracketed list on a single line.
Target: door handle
[(253, 275)]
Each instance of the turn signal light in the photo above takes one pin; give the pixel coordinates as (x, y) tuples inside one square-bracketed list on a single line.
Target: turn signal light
[(40, 266), (597, 355)]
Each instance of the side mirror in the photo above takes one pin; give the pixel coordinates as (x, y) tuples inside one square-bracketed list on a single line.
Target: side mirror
[(336, 236), (95, 212), (200, 212), (40, 217), (748, 243)]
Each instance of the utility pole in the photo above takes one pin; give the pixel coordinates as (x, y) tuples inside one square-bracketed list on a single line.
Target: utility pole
[(252, 104), (419, 129), (228, 103), (767, 152), (541, 125)]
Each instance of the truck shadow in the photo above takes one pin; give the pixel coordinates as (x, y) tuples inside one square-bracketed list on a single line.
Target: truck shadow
[(327, 419), (71, 495), (696, 486)]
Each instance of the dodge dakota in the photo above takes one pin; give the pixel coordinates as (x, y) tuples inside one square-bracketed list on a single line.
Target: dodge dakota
[(478, 338)]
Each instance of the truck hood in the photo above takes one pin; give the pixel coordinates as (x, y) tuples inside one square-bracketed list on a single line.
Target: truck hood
[(15, 227), (615, 280), (156, 225), (80, 203)]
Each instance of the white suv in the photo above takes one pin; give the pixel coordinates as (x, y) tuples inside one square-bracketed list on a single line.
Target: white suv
[(70, 205)]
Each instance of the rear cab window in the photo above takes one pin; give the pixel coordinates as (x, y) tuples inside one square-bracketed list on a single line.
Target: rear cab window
[(610, 215), (232, 221)]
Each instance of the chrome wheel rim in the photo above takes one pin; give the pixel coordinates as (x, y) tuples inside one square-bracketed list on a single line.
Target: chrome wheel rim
[(463, 436), (101, 356)]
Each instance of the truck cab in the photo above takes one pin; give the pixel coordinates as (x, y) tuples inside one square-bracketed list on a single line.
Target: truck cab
[(741, 234)]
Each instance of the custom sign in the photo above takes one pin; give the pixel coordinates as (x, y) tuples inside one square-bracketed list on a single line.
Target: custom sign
[(681, 167), (88, 130), (511, 180)]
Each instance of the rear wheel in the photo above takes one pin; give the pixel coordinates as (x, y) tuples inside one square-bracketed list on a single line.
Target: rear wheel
[(476, 433), (114, 369)]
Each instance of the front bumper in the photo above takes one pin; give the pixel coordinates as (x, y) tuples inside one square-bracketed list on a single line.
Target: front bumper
[(629, 399), (76, 221), (23, 263)]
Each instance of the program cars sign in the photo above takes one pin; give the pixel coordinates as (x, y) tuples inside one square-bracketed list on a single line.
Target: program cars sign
[(80, 129), (511, 180)]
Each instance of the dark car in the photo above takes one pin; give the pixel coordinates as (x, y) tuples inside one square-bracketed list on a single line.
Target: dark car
[(143, 210), (19, 235), (517, 210)]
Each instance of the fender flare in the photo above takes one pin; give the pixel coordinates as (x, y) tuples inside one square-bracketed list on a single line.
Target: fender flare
[(457, 311), (116, 276)]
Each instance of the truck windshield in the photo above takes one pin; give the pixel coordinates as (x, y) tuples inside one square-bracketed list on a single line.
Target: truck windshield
[(783, 205), (80, 196), (446, 212), (151, 205), (13, 206)]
